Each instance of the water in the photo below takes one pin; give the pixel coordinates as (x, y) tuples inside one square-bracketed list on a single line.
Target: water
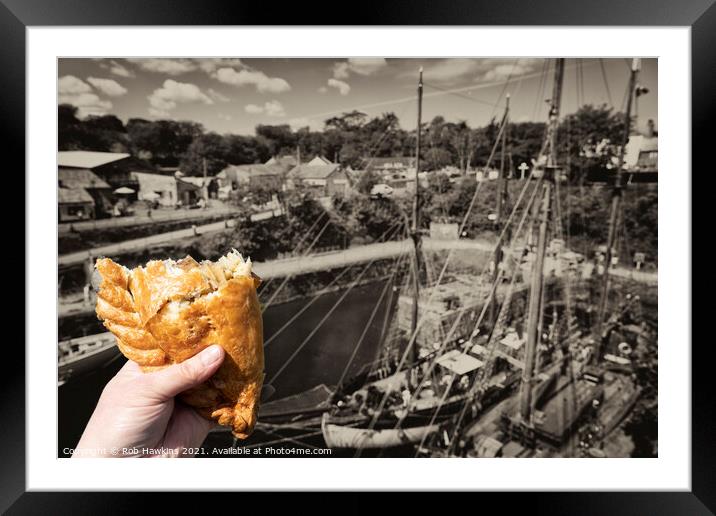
[(321, 360)]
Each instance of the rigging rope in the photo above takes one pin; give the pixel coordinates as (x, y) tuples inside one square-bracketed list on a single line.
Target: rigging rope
[(320, 323), (381, 406), (399, 261), (315, 298)]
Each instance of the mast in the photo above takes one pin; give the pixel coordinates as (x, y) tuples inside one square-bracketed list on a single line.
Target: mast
[(614, 210), (537, 279), (501, 199), (415, 229)]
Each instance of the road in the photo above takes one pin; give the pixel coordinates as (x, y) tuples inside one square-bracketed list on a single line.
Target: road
[(137, 220), (137, 244)]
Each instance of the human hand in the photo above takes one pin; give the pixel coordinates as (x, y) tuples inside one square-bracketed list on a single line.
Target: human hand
[(138, 411)]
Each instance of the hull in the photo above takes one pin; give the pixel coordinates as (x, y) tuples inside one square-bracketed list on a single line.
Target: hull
[(85, 354), (336, 436)]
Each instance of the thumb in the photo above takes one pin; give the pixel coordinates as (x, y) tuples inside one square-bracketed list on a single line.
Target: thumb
[(177, 378)]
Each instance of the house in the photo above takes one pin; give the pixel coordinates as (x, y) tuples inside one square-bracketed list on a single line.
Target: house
[(253, 177), (209, 186), (642, 153), (321, 180), (188, 193), (286, 163), (115, 168), (319, 161), (74, 204), (156, 187), (92, 185), (392, 166)]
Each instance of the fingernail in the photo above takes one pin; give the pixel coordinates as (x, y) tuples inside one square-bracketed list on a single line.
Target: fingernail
[(211, 355)]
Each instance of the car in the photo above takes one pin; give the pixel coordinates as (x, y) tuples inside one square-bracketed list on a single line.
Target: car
[(381, 190)]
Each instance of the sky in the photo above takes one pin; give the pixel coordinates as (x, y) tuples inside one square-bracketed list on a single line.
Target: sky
[(233, 95)]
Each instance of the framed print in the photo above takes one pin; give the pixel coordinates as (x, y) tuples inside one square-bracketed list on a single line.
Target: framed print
[(424, 256)]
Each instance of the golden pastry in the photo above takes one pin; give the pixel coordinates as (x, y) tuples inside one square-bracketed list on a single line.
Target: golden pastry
[(169, 311)]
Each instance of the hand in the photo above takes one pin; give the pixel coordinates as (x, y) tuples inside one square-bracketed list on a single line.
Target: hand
[(137, 410)]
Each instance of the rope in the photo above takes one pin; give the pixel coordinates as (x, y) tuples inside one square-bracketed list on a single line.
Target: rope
[(398, 262), (321, 322), (506, 301), (422, 319), (315, 298), (371, 154), (606, 83)]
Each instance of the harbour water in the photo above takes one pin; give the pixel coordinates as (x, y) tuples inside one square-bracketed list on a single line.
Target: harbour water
[(321, 360)]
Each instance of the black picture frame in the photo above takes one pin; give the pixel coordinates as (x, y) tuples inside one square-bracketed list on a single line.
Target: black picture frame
[(700, 15)]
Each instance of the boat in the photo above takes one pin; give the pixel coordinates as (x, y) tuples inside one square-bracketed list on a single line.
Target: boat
[(341, 436), (85, 354)]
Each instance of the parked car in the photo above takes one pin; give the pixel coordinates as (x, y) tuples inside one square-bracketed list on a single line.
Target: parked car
[(381, 190)]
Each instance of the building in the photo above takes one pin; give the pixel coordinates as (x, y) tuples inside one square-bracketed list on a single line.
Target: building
[(188, 193), (252, 177), (83, 179), (74, 204), (321, 180), (115, 168), (286, 163), (156, 187), (642, 154), (391, 167)]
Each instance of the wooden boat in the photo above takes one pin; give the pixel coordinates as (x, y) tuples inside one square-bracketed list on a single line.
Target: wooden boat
[(337, 436), (84, 354)]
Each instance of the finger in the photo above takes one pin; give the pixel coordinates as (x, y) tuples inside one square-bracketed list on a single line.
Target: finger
[(169, 382)]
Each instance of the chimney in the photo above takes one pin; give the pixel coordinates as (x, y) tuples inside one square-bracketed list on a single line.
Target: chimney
[(650, 132)]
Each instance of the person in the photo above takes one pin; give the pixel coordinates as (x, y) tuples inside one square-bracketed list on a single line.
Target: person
[(137, 415)]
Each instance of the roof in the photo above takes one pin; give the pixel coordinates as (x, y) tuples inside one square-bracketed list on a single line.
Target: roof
[(314, 172), (458, 362), (87, 159), (154, 181), (73, 196), (512, 340), (405, 161), (637, 144), (246, 171), (79, 178), (319, 161), (284, 161)]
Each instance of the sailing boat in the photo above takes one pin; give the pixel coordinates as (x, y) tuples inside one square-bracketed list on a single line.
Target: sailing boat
[(428, 385), (578, 389)]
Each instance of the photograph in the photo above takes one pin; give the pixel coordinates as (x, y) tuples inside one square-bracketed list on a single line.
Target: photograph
[(357, 257)]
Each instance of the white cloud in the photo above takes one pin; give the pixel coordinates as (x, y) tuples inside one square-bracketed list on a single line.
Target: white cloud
[(219, 97), (245, 77), (116, 68), (322, 89), (107, 86), (343, 87), (211, 65), (366, 65), (515, 69), (359, 65), (453, 70), (165, 65), (86, 103), (271, 108), (253, 109), (274, 108), (172, 93), (159, 113), (75, 91), (224, 116), (71, 85)]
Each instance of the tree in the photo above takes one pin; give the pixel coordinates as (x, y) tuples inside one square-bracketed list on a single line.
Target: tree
[(211, 147), (367, 180), (163, 142)]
